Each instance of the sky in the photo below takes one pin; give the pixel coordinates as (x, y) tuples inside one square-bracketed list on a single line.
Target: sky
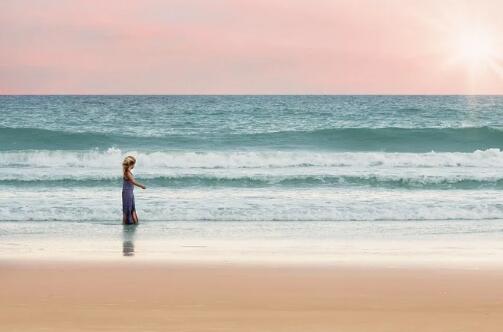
[(251, 47)]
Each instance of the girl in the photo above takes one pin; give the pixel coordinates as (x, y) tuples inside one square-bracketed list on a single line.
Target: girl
[(129, 215)]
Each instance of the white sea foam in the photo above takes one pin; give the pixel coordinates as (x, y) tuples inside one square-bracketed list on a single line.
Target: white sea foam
[(252, 204), (112, 158), (266, 166), (348, 175)]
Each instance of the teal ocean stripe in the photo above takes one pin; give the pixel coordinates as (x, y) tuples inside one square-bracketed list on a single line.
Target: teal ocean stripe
[(338, 139), (335, 181)]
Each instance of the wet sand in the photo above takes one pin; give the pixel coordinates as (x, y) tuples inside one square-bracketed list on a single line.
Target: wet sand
[(110, 296)]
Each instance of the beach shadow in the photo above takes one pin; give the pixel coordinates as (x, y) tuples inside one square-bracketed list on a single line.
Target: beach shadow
[(128, 240)]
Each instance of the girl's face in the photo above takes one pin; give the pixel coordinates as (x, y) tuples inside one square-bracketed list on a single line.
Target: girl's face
[(132, 166)]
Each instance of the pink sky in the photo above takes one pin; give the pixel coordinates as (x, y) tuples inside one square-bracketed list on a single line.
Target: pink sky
[(247, 47)]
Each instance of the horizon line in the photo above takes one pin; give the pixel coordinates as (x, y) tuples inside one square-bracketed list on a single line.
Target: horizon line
[(250, 94)]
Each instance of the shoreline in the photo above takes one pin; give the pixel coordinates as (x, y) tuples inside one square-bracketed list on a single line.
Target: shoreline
[(441, 253), (453, 244), (154, 296)]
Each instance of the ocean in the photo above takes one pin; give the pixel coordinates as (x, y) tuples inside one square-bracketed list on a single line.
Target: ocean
[(267, 168)]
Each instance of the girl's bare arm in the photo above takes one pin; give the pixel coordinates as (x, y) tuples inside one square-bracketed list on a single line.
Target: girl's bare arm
[(131, 179)]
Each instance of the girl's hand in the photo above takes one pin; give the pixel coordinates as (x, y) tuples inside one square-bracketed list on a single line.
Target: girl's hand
[(143, 187)]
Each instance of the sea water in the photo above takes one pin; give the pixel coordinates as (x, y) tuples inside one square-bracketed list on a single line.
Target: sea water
[(304, 169)]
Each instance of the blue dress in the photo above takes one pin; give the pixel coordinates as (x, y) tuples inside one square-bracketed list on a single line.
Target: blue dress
[(128, 200)]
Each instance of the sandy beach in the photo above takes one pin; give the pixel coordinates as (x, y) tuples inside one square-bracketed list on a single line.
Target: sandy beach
[(132, 296)]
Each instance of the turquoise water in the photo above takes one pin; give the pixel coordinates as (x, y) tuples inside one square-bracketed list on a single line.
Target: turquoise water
[(249, 158), (207, 123)]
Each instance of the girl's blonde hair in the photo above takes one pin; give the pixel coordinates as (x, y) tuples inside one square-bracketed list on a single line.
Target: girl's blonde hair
[(128, 162)]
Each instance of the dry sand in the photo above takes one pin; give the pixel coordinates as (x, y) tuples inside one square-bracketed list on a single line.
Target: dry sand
[(99, 296)]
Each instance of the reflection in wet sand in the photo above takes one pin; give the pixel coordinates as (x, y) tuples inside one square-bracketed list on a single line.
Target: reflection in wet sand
[(128, 240)]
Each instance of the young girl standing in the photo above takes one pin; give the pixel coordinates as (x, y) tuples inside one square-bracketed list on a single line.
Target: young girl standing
[(129, 215)]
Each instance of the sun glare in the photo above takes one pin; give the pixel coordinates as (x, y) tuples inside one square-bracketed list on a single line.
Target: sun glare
[(474, 48)]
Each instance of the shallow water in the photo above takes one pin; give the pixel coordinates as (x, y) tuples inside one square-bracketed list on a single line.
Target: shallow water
[(453, 243)]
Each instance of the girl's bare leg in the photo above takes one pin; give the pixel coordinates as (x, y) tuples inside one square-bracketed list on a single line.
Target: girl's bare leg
[(135, 217)]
